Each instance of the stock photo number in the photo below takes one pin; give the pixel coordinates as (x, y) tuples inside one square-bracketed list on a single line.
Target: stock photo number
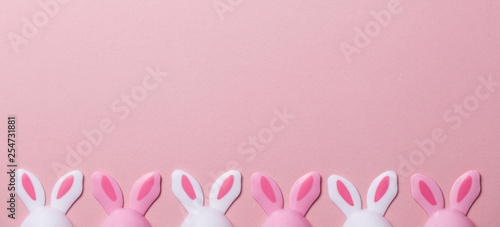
[(11, 166)]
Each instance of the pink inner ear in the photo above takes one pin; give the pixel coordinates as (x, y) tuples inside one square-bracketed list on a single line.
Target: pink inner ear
[(382, 188), (305, 188), (464, 188), (28, 186), (146, 188), (267, 189), (108, 188), (65, 186), (427, 193), (188, 188), (344, 193), (226, 187)]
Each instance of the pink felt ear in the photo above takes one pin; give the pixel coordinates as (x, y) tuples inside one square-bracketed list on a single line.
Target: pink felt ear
[(267, 193), (427, 193), (465, 191), (145, 191), (107, 192), (304, 192)]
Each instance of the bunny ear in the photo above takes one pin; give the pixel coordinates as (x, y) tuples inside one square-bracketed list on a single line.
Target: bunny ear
[(344, 195), (465, 191), (225, 190), (107, 192), (267, 193), (187, 190), (67, 190), (30, 190), (382, 192), (304, 192), (427, 193), (145, 191)]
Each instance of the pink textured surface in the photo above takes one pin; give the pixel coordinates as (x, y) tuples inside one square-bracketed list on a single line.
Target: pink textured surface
[(229, 82)]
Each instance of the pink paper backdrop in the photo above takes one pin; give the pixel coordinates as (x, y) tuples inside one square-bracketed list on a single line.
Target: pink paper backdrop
[(229, 74)]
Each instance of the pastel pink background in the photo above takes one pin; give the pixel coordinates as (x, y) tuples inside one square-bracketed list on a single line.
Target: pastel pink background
[(225, 78)]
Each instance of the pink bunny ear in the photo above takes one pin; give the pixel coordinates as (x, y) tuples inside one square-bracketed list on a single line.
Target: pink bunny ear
[(30, 190), (67, 190), (343, 193), (427, 193), (225, 190), (267, 193), (107, 192), (465, 191), (187, 190), (382, 192), (304, 192), (145, 191)]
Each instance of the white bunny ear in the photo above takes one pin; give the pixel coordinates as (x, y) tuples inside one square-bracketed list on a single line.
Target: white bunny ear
[(30, 190), (67, 189), (187, 190), (382, 192), (465, 191), (343, 193), (145, 191), (225, 190)]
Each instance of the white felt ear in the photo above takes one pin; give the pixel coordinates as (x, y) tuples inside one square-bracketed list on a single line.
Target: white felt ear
[(343, 193), (382, 192), (225, 190), (67, 189), (187, 190), (30, 190)]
